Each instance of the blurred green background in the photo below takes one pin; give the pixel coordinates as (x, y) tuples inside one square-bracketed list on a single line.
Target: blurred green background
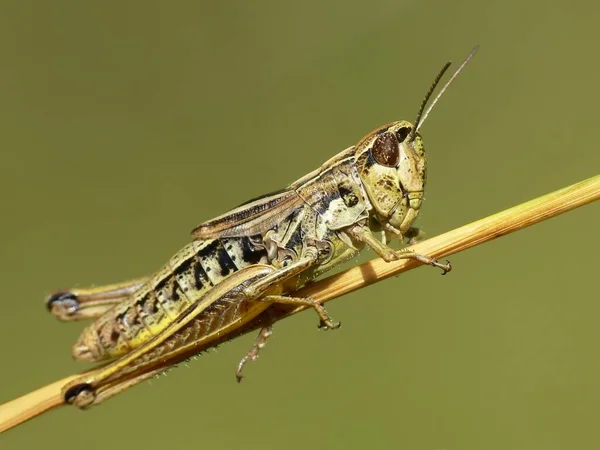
[(125, 124)]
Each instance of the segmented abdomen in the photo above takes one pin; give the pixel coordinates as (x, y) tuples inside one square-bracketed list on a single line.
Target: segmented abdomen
[(188, 275)]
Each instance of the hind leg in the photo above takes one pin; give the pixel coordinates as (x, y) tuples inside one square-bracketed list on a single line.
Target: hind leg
[(89, 303)]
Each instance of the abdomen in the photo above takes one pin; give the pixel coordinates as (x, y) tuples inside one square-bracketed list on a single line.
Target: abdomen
[(189, 274)]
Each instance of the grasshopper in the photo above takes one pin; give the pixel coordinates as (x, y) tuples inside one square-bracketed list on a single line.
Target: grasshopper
[(254, 256)]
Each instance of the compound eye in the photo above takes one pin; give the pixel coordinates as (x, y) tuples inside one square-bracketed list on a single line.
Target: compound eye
[(385, 150), (403, 133)]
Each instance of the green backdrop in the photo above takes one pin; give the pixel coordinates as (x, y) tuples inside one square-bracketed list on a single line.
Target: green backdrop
[(125, 124)]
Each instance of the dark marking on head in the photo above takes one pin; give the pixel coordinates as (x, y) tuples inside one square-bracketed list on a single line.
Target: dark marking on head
[(403, 133), (385, 183), (385, 150), (365, 161)]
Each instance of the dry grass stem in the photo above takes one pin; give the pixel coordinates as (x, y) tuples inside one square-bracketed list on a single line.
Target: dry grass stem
[(30, 405)]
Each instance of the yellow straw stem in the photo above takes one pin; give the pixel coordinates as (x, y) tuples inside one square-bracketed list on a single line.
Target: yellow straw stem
[(518, 217)]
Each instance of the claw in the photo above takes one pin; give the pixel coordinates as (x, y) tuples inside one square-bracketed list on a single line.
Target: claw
[(329, 325), (445, 267)]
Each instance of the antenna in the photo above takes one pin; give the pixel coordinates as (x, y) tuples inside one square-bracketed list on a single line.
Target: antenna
[(421, 117), (413, 132)]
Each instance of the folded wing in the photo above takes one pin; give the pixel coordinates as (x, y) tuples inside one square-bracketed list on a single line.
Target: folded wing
[(251, 218)]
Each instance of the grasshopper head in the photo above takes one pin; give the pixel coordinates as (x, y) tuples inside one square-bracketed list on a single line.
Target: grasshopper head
[(392, 166)]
